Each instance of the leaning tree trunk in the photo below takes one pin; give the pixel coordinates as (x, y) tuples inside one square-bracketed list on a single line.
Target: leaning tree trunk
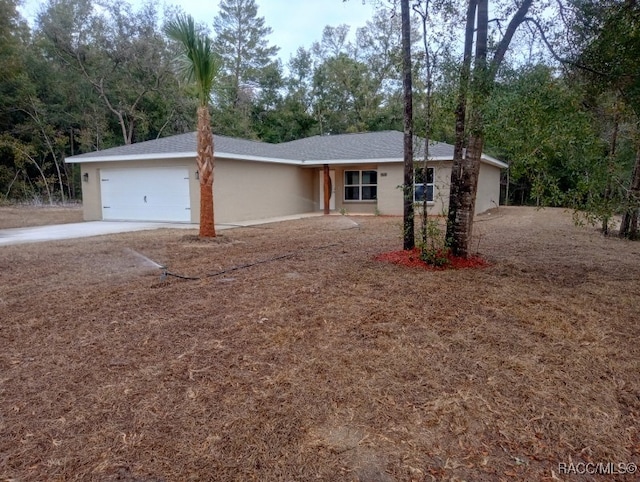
[(204, 159), (629, 225)]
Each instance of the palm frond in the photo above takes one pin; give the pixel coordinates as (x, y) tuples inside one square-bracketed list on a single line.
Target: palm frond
[(198, 63)]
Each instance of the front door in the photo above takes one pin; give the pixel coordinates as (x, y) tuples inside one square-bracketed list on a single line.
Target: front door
[(332, 199)]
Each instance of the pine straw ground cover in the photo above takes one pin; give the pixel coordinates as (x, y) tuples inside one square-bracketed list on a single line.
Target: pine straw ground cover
[(322, 365), (22, 215)]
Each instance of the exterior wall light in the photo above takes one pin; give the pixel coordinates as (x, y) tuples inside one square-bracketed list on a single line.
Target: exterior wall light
[(85, 177)]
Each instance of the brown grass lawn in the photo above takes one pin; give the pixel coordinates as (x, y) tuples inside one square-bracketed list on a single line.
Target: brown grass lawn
[(20, 216), (322, 365)]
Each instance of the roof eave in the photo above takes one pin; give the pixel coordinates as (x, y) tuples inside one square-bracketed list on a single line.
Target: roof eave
[(351, 162), (385, 160), (175, 155), (274, 160), (128, 157), (494, 162)]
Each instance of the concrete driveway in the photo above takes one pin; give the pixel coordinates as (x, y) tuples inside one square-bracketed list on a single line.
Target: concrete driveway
[(86, 229), (56, 232)]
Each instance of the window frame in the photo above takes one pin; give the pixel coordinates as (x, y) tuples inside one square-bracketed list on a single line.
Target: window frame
[(426, 185), (360, 185)]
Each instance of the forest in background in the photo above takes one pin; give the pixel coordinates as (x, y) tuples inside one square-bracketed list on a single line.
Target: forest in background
[(563, 111)]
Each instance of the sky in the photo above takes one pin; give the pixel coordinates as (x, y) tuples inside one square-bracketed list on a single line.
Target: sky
[(295, 23)]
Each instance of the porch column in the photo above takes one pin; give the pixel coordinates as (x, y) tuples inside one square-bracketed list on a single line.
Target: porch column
[(327, 189)]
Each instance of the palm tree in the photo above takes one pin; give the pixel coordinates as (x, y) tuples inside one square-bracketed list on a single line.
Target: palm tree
[(200, 65)]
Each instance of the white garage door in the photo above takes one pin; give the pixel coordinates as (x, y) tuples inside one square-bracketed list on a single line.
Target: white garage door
[(149, 194)]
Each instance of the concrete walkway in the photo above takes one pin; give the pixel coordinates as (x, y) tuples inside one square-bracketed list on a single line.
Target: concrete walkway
[(56, 232)]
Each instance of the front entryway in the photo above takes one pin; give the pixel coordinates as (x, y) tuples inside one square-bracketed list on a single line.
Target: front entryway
[(332, 199)]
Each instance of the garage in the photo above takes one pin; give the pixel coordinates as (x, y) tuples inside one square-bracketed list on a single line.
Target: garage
[(145, 194)]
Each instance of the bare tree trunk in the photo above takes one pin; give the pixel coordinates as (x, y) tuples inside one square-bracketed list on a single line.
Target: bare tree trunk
[(506, 194), (461, 113), (610, 166), (409, 240), (467, 170), (69, 171), (629, 225), (464, 174), (11, 183), (467, 188), (327, 189), (205, 159), (44, 178), (36, 118), (471, 164), (424, 15)]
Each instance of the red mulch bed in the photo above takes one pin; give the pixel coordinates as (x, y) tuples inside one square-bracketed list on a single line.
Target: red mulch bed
[(411, 259)]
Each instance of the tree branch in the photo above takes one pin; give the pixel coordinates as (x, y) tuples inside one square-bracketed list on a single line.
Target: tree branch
[(503, 46), (555, 55)]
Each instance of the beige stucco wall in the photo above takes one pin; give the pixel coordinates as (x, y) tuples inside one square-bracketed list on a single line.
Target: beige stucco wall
[(390, 177), (442, 180), (390, 194), (488, 195), (353, 207), (247, 190), (91, 208), (243, 190)]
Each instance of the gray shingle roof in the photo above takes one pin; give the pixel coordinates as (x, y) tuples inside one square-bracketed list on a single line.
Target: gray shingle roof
[(367, 145), (184, 143)]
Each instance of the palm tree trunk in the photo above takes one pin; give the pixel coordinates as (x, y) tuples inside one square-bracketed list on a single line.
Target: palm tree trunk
[(204, 160)]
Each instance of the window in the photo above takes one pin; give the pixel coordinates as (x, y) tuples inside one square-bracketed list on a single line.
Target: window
[(360, 185), (423, 180)]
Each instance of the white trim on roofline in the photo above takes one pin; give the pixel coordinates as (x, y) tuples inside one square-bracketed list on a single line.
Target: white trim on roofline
[(307, 163), (332, 162), (175, 155), (129, 157), (274, 160), (351, 162), (494, 162)]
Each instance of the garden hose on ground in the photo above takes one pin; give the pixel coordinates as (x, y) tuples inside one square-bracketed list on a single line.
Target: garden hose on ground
[(166, 273)]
